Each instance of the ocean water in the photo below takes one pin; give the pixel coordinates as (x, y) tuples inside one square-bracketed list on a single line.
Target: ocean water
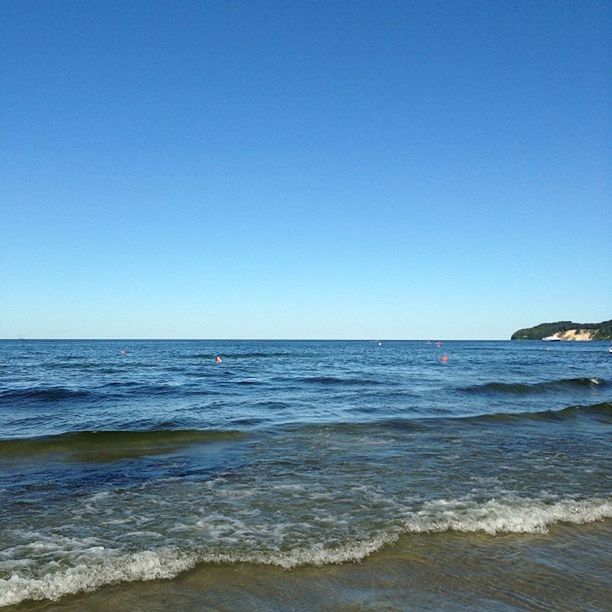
[(346, 474)]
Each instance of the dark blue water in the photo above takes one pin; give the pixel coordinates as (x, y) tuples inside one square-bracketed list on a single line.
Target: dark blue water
[(133, 460)]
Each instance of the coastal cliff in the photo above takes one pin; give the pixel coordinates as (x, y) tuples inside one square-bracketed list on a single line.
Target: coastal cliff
[(566, 330)]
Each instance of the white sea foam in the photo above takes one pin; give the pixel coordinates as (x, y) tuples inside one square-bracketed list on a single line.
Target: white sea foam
[(146, 565), (101, 567), (506, 516)]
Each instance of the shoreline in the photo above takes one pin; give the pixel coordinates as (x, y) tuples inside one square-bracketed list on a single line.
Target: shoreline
[(563, 569)]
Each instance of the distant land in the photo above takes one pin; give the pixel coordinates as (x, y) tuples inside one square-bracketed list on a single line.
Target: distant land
[(566, 330)]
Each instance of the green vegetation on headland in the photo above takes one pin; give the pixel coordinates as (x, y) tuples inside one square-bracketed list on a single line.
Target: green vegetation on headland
[(566, 330)]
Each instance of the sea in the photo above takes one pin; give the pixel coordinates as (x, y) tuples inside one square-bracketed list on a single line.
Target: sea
[(305, 475)]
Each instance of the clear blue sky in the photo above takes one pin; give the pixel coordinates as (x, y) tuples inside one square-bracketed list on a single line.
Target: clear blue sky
[(249, 169)]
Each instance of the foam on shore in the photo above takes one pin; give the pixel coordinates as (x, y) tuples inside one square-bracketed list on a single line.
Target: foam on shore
[(99, 567)]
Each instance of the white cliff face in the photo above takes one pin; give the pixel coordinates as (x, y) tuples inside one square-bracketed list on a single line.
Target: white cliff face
[(580, 335)]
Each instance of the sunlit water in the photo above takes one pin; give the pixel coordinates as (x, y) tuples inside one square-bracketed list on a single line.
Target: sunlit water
[(129, 461)]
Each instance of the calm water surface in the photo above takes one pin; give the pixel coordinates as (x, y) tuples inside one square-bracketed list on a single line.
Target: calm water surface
[(124, 461)]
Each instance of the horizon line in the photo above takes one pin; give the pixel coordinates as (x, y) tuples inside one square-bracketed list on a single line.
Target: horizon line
[(371, 339)]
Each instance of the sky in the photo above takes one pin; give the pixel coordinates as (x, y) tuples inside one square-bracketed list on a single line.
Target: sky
[(303, 169)]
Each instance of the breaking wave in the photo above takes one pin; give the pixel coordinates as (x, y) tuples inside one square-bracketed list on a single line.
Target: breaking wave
[(100, 567)]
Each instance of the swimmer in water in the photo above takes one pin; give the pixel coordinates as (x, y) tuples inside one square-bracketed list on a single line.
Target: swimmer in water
[(218, 359)]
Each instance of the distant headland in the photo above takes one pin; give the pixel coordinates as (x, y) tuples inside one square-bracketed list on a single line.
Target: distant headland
[(566, 330)]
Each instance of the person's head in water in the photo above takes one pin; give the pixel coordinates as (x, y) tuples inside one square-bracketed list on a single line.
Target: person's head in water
[(218, 359)]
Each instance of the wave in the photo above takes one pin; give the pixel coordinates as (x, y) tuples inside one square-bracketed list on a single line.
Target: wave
[(84, 365), (602, 411), (333, 380), (112, 445), (41, 394), (135, 387), (250, 355), (492, 517), (116, 388), (259, 354), (539, 387)]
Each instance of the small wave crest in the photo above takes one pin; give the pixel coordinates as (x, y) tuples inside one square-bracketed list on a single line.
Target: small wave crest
[(41, 394), (130, 387), (539, 387), (333, 380), (602, 412), (248, 355), (112, 389)]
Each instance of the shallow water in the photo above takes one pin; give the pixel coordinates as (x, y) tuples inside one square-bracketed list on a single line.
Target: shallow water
[(279, 467), (448, 571)]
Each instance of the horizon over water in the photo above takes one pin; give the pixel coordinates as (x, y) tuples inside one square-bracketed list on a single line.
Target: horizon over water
[(367, 339), (350, 474)]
